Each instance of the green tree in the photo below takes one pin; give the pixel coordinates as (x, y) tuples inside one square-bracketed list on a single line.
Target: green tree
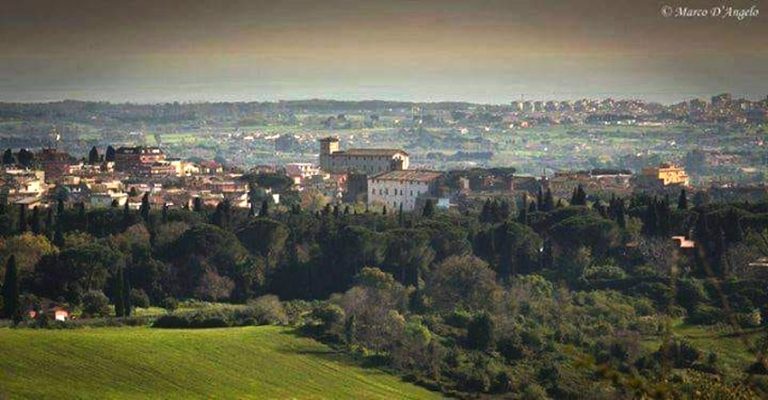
[(480, 332), (145, 208), (8, 158), (682, 200), (429, 209), (93, 156), (11, 290), (119, 295), (110, 155)]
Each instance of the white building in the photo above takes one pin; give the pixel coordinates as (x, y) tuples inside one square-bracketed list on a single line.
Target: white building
[(106, 199), (406, 188)]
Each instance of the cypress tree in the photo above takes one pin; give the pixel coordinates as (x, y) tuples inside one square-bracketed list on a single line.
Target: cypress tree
[(165, 213), (58, 236), (8, 158), (522, 215), (49, 223), (264, 212), (540, 200), (127, 306), (145, 208), (486, 213), (119, 295), (400, 219), (60, 207), (35, 225), (93, 156), (81, 216), (11, 290), (384, 210), (682, 200), (549, 201), (110, 155), (22, 218), (429, 209), (197, 204), (126, 216)]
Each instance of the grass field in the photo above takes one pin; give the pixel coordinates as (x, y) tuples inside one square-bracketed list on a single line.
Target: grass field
[(250, 362), (733, 350)]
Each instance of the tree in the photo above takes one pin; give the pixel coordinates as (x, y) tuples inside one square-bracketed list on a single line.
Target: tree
[(25, 157), (579, 197), (429, 209), (464, 282), (59, 207), (549, 202), (265, 237), (682, 200), (119, 295), (8, 158), (11, 290), (22, 218), (144, 209), (264, 212), (93, 156), (35, 224), (110, 155), (95, 304), (480, 332)]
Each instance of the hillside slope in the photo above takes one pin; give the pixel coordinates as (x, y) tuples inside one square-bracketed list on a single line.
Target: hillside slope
[(251, 362)]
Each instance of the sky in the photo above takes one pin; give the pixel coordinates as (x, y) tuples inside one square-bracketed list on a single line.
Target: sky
[(492, 51)]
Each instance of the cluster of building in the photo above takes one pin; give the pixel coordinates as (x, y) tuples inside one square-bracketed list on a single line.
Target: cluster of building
[(120, 178), (377, 177)]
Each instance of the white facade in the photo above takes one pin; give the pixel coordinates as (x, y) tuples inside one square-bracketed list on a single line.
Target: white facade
[(106, 199), (397, 188)]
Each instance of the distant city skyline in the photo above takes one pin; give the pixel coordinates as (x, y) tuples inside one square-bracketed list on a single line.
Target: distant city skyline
[(489, 52)]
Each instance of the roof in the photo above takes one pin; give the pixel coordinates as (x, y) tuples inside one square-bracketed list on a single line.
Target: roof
[(370, 152), (408, 175)]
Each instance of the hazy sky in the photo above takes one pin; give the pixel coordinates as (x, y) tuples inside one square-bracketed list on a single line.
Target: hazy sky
[(481, 51)]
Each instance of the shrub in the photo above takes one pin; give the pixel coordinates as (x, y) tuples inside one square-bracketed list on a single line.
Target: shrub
[(170, 303), (706, 315), (95, 304), (268, 310), (139, 298), (171, 321), (458, 319)]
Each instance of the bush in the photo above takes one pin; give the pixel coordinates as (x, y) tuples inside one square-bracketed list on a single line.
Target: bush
[(171, 321), (268, 310), (170, 303), (458, 319), (95, 304), (706, 315), (139, 298)]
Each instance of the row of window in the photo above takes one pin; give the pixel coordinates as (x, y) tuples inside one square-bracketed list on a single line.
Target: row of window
[(386, 192)]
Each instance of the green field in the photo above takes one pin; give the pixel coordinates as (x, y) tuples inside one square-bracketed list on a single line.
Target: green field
[(250, 362)]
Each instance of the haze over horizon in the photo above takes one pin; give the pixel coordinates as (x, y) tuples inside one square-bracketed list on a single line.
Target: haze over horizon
[(483, 52)]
